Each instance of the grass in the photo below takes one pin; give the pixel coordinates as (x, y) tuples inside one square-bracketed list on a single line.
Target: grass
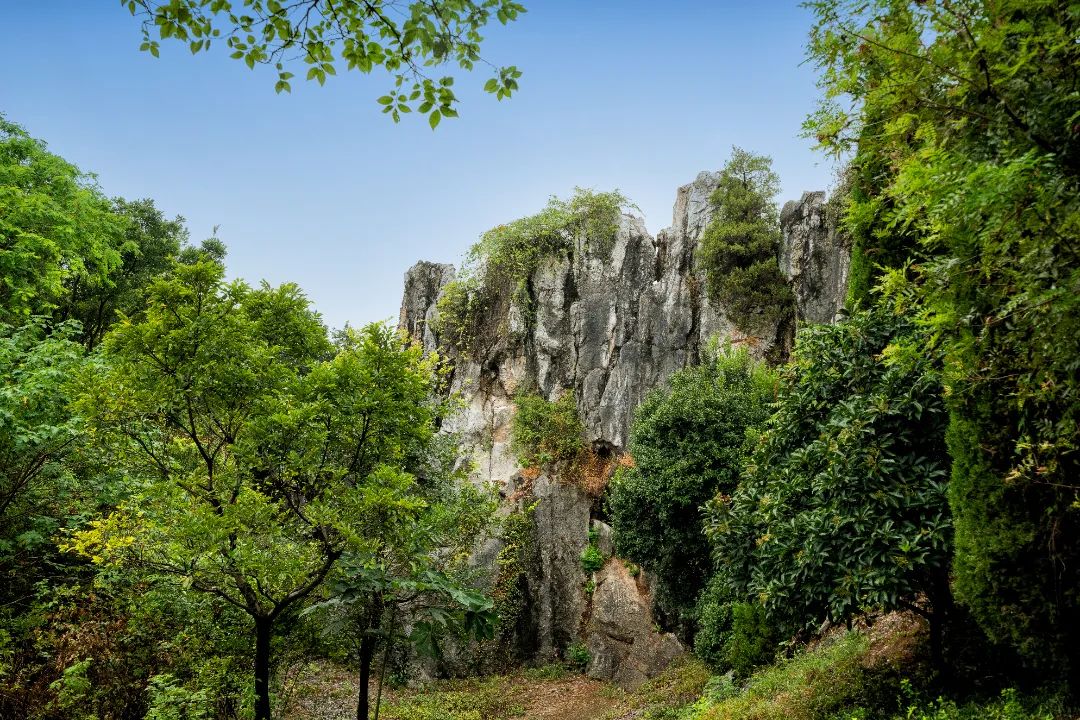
[(492, 698), (810, 686), (1009, 705), (850, 676), (663, 697)]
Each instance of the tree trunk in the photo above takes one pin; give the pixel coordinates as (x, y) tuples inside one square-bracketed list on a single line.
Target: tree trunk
[(367, 651), (263, 626), (386, 658)]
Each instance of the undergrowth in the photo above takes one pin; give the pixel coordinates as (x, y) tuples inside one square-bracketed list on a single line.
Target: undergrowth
[(545, 432), (662, 697), (492, 698), (1008, 705)]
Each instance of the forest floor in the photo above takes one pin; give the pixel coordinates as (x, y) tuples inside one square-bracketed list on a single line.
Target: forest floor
[(327, 692), (322, 691)]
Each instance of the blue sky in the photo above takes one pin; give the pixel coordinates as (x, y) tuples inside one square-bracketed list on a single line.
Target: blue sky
[(320, 188)]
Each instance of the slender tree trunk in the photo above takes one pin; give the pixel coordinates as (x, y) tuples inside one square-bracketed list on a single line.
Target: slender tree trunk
[(385, 659), (367, 651), (263, 627)]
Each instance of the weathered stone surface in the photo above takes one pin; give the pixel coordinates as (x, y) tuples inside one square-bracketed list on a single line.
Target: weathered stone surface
[(624, 646), (423, 283), (561, 519), (814, 257), (608, 322)]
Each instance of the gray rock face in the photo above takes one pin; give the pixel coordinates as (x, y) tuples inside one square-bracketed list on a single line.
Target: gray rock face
[(624, 646), (604, 540), (815, 258), (609, 322), (562, 521), (423, 283)]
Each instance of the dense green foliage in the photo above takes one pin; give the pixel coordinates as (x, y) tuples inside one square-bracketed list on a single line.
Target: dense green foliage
[(473, 308), (200, 484), (732, 635), (73, 262), (56, 228), (592, 559), (36, 436), (688, 442), (842, 509), (545, 432), (962, 119), (148, 247), (403, 38), (739, 247), (197, 477)]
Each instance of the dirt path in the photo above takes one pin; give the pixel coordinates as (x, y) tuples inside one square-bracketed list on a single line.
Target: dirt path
[(577, 698)]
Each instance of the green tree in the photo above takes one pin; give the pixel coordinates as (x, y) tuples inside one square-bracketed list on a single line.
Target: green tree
[(842, 509), (688, 442), (740, 246), (962, 119), (56, 228), (37, 434), (37, 429), (149, 245), (321, 36), (261, 452), (418, 586)]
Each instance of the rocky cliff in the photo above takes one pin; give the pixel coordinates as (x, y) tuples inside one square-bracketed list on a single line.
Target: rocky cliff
[(607, 322)]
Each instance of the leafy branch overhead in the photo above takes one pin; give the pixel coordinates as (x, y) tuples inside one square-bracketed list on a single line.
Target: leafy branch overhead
[(406, 39)]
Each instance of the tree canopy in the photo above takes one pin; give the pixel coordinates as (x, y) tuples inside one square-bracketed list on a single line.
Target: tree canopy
[(740, 245), (408, 40), (56, 227), (261, 451), (842, 509), (961, 120)]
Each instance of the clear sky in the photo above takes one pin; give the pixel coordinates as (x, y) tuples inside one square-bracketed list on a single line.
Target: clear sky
[(320, 188)]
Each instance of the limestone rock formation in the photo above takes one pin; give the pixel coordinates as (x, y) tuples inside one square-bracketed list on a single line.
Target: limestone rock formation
[(814, 257), (423, 283), (623, 644), (608, 322), (561, 513)]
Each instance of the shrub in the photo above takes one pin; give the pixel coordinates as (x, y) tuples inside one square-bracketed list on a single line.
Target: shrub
[(474, 307), (843, 505), (713, 613), (975, 183), (577, 656), (592, 559), (543, 432), (689, 442), (753, 640), (732, 635)]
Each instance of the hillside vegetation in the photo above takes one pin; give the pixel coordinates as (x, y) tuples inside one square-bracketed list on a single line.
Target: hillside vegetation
[(213, 507)]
